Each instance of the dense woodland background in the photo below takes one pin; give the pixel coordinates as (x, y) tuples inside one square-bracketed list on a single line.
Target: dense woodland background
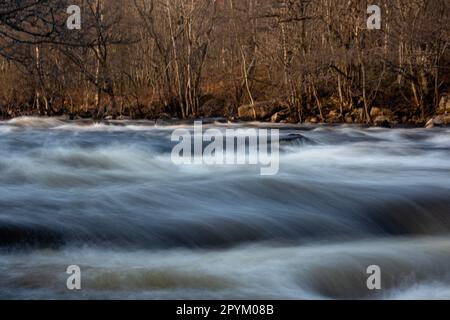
[(285, 60)]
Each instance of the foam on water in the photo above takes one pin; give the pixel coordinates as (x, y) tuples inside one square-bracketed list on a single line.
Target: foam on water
[(413, 268)]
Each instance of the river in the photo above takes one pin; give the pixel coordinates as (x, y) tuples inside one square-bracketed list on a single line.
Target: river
[(107, 198)]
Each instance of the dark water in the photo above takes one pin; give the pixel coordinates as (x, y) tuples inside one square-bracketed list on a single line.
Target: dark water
[(109, 199)]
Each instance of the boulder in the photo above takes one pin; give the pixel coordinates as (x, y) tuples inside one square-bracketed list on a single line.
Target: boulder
[(375, 112), (382, 116), (280, 116), (383, 121), (313, 120), (348, 119), (276, 118), (259, 110), (334, 116), (439, 121)]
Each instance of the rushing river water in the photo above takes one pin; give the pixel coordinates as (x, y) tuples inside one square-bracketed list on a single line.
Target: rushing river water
[(108, 198)]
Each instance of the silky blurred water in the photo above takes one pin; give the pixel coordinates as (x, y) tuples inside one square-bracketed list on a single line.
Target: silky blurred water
[(108, 198)]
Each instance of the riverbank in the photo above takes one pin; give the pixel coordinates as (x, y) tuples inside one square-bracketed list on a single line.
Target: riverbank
[(47, 122), (267, 112)]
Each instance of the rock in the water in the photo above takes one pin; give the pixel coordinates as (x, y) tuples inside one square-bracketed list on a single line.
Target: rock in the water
[(297, 139)]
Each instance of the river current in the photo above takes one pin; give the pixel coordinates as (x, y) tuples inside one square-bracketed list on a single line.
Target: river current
[(107, 198)]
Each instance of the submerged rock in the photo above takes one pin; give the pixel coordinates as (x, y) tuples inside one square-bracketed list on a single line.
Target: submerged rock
[(38, 122), (296, 139)]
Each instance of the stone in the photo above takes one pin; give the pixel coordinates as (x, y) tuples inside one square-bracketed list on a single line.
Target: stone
[(430, 124), (313, 120), (334, 116), (383, 121), (348, 119), (280, 116), (260, 110), (375, 112), (442, 120), (276, 118)]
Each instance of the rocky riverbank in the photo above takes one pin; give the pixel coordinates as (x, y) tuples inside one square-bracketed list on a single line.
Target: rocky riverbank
[(277, 112), (265, 111)]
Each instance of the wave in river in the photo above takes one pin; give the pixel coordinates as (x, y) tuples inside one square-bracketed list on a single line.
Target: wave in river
[(108, 198)]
